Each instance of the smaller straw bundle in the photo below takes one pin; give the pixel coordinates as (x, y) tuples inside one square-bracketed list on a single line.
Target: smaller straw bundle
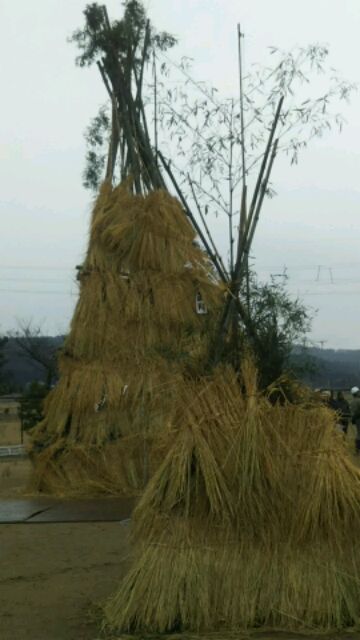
[(251, 521), (134, 335)]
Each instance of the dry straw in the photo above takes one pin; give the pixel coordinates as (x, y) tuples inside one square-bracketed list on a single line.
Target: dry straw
[(134, 335), (251, 522)]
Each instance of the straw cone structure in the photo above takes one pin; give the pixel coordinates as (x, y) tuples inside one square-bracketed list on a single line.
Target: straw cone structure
[(135, 333), (252, 521)]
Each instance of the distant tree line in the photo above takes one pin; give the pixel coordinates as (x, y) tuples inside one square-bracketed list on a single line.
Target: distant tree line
[(328, 368)]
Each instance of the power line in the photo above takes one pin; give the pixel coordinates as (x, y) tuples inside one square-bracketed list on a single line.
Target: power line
[(72, 294), (35, 268), (46, 280), (335, 281), (313, 267), (34, 291), (278, 267), (328, 293)]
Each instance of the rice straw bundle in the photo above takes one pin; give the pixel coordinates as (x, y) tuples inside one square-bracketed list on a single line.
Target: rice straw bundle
[(135, 333), (251, 521)]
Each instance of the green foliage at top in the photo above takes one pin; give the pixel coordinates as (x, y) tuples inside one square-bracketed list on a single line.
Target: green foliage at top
[(116, 44), (100, 38), (96, 137)]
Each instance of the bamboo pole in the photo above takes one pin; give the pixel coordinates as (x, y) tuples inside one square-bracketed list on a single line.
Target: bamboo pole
[(242, 125), (263, 189), (251, 223), (117, 91), (243, 209), (242, 224), (233, 301), (143, 60), (230, 178), (155, 107), (263, 165), (113, 145), (149, 161)]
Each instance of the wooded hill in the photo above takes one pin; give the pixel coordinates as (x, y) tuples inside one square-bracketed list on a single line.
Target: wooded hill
[(333, 368), (329, 368)]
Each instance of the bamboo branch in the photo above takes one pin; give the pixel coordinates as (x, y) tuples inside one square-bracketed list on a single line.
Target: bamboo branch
[(194, 130), (192, 218), (207, 230), (211, 196), (199, 86)]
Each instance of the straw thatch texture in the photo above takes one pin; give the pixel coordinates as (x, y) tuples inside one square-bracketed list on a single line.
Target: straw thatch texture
[(251, 521), (135, 333)]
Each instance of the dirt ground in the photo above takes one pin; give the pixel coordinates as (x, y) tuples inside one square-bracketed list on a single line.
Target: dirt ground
[(10, 426), (14, 478), (14, 473), (53, 576)]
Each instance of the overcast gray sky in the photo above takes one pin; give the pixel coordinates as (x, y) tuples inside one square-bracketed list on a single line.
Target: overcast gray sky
[(313, 225)]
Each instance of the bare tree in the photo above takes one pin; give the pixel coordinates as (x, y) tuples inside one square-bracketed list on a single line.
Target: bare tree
[(38, 348)]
